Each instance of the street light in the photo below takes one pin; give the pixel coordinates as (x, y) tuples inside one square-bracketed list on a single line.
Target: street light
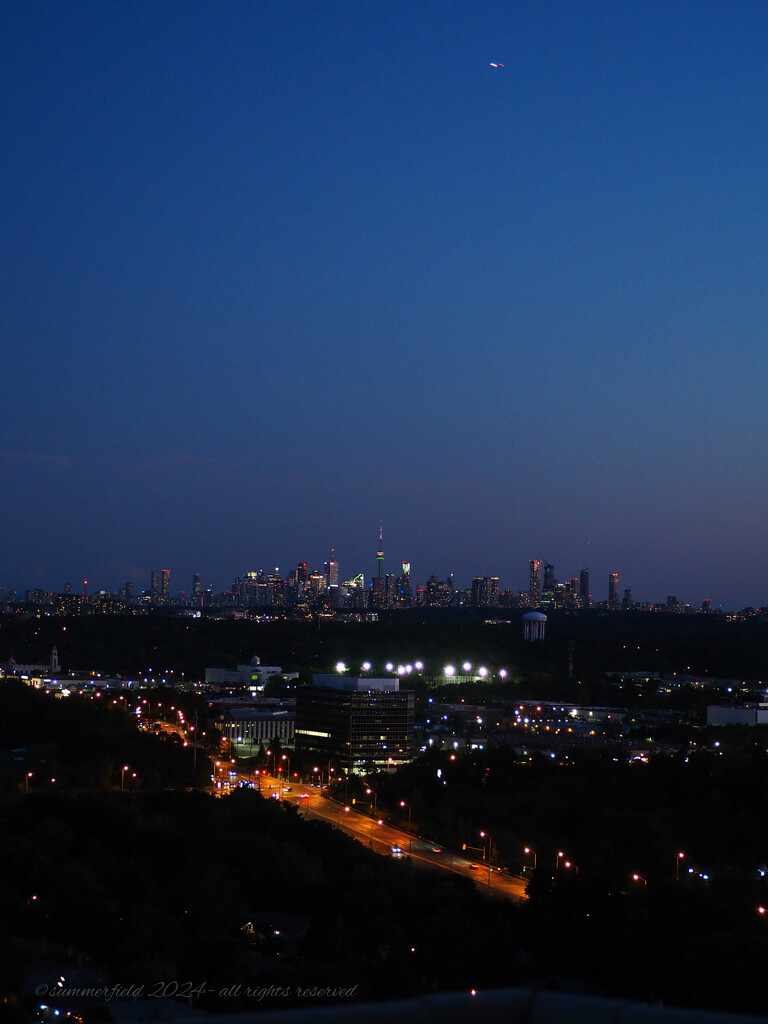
[(557, 859), (639, 878), (486, 835), (678, 858), (338, 816), (527, 849), (403, 803), (379, 822), (27, 777), (123, 770), (370, 792)]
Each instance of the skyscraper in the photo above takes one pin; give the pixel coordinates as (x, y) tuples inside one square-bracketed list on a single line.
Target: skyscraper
[(196, 589), (613, 590), (549, 576), (534, 583), (584, 588), (166, 584), (332, 571), (404, 593), (485, 591)]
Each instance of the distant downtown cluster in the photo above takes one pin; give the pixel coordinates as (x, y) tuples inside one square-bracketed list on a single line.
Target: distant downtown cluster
[(323, 590)]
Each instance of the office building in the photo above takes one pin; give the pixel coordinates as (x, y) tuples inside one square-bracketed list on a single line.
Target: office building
[(613, 591), (359, 723)]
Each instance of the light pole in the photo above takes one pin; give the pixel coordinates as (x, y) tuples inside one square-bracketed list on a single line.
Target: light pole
[(639, 878), (123, 770), (27, 777), (532, 853), (371, 792), (403, 803), (557, 859), (678, 858), (379, 822), (486, 835)]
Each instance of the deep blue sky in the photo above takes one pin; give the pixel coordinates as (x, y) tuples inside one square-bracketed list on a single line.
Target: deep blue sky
[(275, 271)]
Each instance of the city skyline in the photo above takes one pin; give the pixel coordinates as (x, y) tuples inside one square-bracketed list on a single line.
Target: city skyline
[(530, 584), (491, 273)]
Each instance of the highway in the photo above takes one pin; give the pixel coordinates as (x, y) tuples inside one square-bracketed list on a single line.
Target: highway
[(381, 838)]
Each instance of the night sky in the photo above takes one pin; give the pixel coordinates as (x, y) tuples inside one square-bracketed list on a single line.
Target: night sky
[(276, 271)]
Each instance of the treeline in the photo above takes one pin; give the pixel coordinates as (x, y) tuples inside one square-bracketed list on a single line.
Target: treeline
[(86, 741), (156, 644)]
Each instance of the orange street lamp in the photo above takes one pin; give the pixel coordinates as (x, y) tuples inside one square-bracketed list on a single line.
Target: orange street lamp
[(678, 858)]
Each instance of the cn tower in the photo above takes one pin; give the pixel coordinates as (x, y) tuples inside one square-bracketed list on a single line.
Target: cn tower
[(380, 552)]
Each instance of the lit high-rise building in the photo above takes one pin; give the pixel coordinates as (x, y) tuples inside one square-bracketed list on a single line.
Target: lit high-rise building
[(404, 592), (332, 571), (534, 583), (485, 592), (613, 590), (549, 577), (154, 586), (166, 584), (379, 592), (196, 588)]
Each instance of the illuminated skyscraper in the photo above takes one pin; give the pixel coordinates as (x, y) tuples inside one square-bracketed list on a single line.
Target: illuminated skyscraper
[(154, 586), (196, 589), (549, 576), (613, 590), (485, 591), (534, 583), (404, 592), (166, 584), (332, 571)]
